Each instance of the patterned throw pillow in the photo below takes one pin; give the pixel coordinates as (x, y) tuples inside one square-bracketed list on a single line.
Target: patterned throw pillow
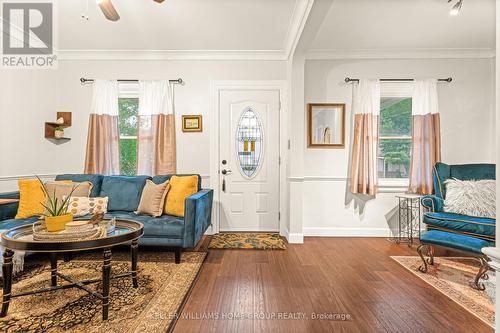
[(81, 206)]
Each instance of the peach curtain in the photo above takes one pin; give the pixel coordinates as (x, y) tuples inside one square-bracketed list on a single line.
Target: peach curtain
[(156, 147), (102, 153), (366, 109), (426, 136)]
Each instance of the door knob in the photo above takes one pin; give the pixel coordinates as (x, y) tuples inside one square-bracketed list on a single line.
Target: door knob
[(226, 172)]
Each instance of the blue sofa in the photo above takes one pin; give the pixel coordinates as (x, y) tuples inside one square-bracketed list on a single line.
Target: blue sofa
[(460, 232), (124, 193)]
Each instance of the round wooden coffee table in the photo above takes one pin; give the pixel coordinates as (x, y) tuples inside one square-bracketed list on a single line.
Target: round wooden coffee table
[(21, 239)]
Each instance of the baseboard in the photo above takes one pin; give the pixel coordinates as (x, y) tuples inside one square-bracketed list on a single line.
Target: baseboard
[(346, 232), (292, 238)]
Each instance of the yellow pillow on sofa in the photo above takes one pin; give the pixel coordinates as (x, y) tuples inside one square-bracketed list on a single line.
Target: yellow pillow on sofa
[(31, 198), (181, 187)]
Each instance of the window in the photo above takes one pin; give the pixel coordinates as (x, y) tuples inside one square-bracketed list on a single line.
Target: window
[(249, 143), (127, 125), (394, 137)]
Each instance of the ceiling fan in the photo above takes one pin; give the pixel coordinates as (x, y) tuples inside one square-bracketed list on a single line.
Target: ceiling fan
[(109, 10)]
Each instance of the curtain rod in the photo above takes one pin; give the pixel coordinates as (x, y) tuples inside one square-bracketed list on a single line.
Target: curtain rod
[(178, 81), (347, 80)]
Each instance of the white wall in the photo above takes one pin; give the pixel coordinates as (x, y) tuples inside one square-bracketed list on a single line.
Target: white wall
[(29, 98), (467, 124)]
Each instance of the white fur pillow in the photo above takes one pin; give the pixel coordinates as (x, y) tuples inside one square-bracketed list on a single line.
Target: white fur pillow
[(470, 197)]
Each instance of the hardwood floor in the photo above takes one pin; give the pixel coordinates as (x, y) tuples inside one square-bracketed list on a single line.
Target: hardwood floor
[(353, 276)]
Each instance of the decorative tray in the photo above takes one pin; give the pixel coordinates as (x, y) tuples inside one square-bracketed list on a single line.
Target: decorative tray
[(40, 233)]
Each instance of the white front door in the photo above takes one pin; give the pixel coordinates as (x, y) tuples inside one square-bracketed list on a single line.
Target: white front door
[(249, 160)]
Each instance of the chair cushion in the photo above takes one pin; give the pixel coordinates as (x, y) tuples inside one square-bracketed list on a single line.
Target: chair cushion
[(12, 223), (95, 179), (165, 225), (455, 241), (461, 223), (123, 192)]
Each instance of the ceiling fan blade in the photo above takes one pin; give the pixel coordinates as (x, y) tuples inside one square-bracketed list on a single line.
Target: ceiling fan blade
[(108, 10)]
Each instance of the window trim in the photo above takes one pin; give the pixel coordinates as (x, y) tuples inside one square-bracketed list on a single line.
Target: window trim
[(399, 90)]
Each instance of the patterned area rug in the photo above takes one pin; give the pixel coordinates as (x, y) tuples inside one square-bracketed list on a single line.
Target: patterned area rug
[(451, 276), (152, 307), (247, 240)]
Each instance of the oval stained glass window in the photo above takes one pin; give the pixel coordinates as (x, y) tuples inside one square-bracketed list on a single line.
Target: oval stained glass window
[(249, 142)]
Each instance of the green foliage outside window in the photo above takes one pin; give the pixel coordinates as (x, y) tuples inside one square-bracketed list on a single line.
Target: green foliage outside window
[(127, 126), (395, 121)]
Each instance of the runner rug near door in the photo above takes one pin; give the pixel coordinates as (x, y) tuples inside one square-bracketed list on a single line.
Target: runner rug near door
[(247, 240), (451, 276), (153, 307)]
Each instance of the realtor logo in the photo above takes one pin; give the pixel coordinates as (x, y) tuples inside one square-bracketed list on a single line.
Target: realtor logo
[(28, 35)]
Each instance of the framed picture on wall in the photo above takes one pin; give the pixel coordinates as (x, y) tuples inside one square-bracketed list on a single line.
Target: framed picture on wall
[(192, 123), (325, 125)]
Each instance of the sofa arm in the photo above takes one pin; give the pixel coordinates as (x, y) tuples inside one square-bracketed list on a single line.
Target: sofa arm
[(197, 216), (9, 211), (433, 203)]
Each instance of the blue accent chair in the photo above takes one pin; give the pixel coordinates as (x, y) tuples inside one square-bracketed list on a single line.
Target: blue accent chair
[(460, 232), (124, 193)]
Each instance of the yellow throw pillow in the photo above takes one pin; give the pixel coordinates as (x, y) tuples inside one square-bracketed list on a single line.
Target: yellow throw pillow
[(181, 187), (31, 198)]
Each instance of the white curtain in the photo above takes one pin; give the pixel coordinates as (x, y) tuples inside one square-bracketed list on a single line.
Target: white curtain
[(426, 135), (103, 154), (156, 153), (366, 109)]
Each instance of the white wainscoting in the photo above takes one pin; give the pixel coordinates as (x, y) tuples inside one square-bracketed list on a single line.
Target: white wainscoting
[(329, 210)]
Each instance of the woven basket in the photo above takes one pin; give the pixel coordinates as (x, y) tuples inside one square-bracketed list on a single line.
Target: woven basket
[(40, 233)]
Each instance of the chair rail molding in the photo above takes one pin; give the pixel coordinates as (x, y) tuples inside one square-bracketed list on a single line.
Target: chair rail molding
[(17, 177)]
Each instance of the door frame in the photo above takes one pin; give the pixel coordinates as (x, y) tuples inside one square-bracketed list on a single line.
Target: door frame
[(215, 88)]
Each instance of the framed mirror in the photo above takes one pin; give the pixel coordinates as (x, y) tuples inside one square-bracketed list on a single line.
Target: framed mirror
[(325, 125)]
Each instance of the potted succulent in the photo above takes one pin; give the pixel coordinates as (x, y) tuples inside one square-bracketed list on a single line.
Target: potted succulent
[(56, 215), (59, 132)]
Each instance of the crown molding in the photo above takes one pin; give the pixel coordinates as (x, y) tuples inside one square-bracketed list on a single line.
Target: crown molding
[(332, 54), (270, 55), (297, 22), (300, 14)]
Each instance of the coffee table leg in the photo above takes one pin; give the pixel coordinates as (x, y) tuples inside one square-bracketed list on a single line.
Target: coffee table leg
[(134, 247), (106, 272), (53, 269), (7, 280)]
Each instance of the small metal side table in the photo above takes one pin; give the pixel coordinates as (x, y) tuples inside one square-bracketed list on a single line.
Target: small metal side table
[(409, 218)]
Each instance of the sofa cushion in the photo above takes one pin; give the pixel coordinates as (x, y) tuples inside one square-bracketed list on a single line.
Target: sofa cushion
[(455, 241), (123, 192), (31, 199), (461, 223), (95, 179), (162, 178), (165, 225), (153, 198), (181, 187), (12, 223), (81, 206)]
